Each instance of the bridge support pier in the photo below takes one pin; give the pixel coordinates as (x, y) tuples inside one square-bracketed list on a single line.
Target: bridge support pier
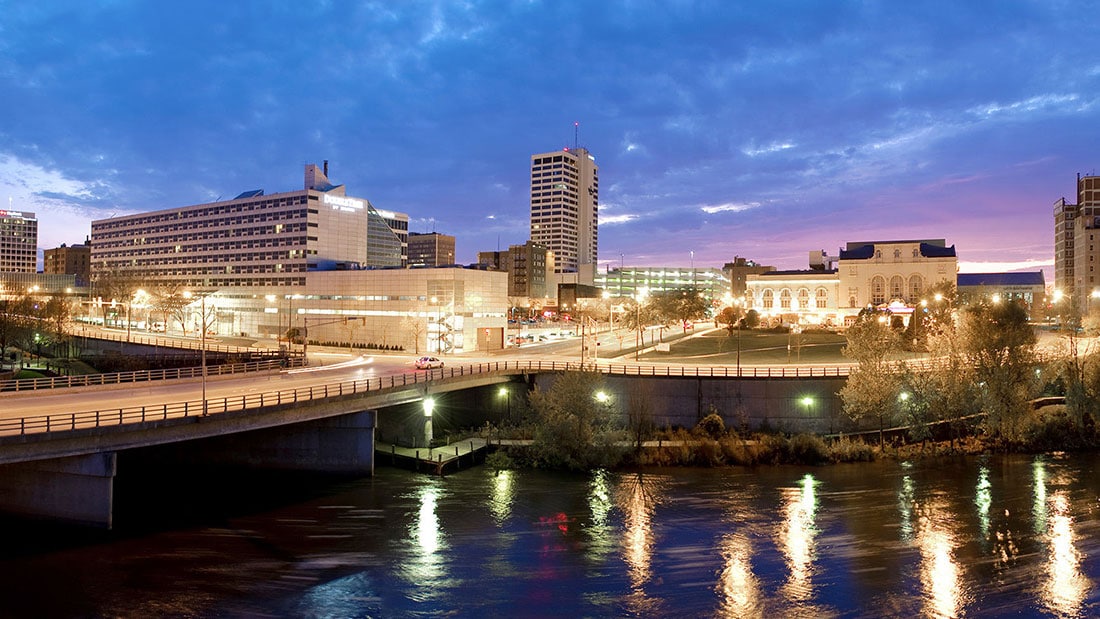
[(78, 490)]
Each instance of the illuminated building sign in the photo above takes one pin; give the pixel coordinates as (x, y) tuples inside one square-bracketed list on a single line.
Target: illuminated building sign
[(16, 214), (344, 205)]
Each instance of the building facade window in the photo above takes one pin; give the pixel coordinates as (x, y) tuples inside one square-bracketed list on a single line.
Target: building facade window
[(897, 287), (916, 288), (768, 299), (878, 290), (823, 298), (785, 299)]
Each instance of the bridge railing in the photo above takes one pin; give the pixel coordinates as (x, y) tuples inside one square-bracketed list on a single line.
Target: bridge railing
[(66, 422), (136, 376), (183, 343)]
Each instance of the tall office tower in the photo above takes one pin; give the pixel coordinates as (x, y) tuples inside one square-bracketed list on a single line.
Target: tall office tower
[(1077, 242), (565, 197), (431, 250), (18, 242)]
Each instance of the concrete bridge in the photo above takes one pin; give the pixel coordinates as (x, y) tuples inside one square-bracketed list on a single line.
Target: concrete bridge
[(62, 464)]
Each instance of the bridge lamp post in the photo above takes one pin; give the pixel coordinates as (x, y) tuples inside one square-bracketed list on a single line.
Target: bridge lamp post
[(429, 405), (639, 298), (506, 395), (202, 343), (807, 401)]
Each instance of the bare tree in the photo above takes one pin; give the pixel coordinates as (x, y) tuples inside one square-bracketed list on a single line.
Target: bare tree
[(414, 324), (1000, 345), (872, 387), (15, 317)]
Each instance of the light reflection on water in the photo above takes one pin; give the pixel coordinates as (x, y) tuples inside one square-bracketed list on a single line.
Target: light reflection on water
[(504, 493), (1065, 586), (941, 577), (970, 537), (425, 566), (797, 533), (637, 497), (738, 587)]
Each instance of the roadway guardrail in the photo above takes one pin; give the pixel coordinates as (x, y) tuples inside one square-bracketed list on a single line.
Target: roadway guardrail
[(141, 414), (136, 376)]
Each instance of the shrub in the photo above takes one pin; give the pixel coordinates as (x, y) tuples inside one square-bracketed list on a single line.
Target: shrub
[(808, 449), (1054, 429), (499, 460), (774, 449), (847, 450), (712, 426)]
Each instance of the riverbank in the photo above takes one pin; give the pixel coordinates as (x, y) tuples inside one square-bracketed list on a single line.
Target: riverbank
[(709, 444)]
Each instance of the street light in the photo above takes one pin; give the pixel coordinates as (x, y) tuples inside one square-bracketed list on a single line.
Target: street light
[(429, 406), (639, 298), (506, 395), (202, 342)]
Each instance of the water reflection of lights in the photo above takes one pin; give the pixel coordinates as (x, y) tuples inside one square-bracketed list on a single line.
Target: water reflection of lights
[(941, 577), (738, 587), (637, 497), (1065, 586), (905, 506), (599, 497), (638, 537), (983, 499), (1039, 506), (601, 534), (504, 493), (797, 536), (427, 539)]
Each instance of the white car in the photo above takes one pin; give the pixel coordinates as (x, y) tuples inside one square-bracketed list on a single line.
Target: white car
[(427, 363)]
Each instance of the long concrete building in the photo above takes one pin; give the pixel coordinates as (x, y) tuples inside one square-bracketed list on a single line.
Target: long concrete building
[(315, 260)]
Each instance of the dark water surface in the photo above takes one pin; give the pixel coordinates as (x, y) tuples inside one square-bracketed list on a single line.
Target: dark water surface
[(978, 537)]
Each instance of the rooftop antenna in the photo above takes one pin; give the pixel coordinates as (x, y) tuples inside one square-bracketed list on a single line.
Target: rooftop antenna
[(576, 127)]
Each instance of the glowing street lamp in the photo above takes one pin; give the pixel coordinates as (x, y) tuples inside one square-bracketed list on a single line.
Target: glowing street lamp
[(202, 342), (506, 395), (429, 406), (639, 298)]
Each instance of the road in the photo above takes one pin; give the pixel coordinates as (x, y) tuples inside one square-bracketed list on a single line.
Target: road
[(63, 401)]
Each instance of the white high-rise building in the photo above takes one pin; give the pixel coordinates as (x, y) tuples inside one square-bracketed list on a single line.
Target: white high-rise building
[(255, 239), (565, 197)]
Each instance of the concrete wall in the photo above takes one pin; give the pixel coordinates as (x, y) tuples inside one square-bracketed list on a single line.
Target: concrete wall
[(787, 404), (78, 490), (343, 444)]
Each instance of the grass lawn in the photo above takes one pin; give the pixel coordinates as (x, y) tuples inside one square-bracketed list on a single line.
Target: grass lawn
[(761, 348), (757, 348)]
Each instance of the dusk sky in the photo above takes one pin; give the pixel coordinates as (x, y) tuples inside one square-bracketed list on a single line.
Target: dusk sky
[(757, 129)]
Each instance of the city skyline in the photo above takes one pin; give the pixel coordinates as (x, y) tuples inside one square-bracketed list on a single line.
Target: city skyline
[(720, 130)]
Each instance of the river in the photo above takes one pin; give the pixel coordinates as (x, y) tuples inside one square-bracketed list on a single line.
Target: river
[(977, 537)]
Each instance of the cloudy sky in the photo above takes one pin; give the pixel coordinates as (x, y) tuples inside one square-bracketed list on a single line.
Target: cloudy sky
[(723, 128)]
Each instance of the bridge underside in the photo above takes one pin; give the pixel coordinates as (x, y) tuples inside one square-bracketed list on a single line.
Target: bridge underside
[(80, 489)]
